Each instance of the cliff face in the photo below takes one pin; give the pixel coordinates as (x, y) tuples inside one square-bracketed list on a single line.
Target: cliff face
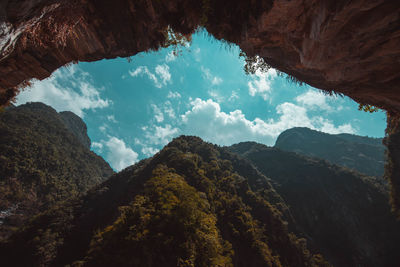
[(351, 47), (76, 126)]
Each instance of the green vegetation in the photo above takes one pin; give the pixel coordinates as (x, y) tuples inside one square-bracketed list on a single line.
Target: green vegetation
[(41, 163), (367, 108), (192, 204), (169, 219), (342, 214), (254, 63), (364, 154)]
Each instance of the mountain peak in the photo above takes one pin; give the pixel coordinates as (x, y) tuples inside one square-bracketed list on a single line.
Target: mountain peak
[(360, 153), (76, 125)]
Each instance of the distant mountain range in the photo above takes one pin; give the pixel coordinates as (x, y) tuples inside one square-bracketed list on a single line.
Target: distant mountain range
[(364, 154), (191, 204)]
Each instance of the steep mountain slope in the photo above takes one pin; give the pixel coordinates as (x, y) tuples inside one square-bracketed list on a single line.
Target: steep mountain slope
[(340, 212), (42, 162), (192, 204), (364, 154), (76, 126)]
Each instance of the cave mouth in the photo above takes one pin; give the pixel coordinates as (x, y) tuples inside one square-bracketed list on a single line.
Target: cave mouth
[(134, 106)]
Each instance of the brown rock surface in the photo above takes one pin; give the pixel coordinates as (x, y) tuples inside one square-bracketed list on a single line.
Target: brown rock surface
[(351, 47)]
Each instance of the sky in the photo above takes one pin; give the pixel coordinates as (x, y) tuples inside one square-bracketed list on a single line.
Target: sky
[(133, 107)]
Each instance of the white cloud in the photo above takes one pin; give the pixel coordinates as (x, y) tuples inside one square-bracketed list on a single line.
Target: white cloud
[(216, 96), (111, 118), (143, 70), (233, 96), (169, 110), (261, 84), (171, 56), (158, 115), (149, 151), (103, 128), (161, 79), (197, 54), (173, 95), (214, 80), (206, 120), (119, 155), (314, 99), (97, 146), (163, 73), (160, 135), (67, 89)]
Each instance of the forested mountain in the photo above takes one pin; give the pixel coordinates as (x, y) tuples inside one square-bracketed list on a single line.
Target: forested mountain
[(342, 214), (192, 204), (364, 154), (43, 162)]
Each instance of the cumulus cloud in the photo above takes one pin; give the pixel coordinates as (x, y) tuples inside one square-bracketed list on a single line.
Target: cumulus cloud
[(169, 110), (160, 135), (261, 83), (163, 73), (173, 95), (97, 146), (111, 118), (197, 54), (149, 151), (314, 99), (158, 115), (161, 77), (119, 155), (207, 120), (67, 89), (233, 96), (214, 80)]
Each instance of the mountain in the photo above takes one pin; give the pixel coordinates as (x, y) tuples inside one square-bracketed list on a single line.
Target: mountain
[(76, 126), (342, 213), (192, 204), (42, 162), (364, 154)]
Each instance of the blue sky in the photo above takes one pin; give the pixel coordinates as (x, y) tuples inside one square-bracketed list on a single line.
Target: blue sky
[(134, 107)]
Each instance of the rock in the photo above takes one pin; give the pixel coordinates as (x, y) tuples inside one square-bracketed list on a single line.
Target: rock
[(349, 47), (76, 125)]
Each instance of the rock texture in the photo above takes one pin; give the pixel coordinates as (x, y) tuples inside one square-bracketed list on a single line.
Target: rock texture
[(76, 125), (392, 167), (350, 47)]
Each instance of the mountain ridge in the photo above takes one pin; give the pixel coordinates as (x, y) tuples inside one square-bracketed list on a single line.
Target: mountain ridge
[(336, 209), (232, 219), (364, 154)]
